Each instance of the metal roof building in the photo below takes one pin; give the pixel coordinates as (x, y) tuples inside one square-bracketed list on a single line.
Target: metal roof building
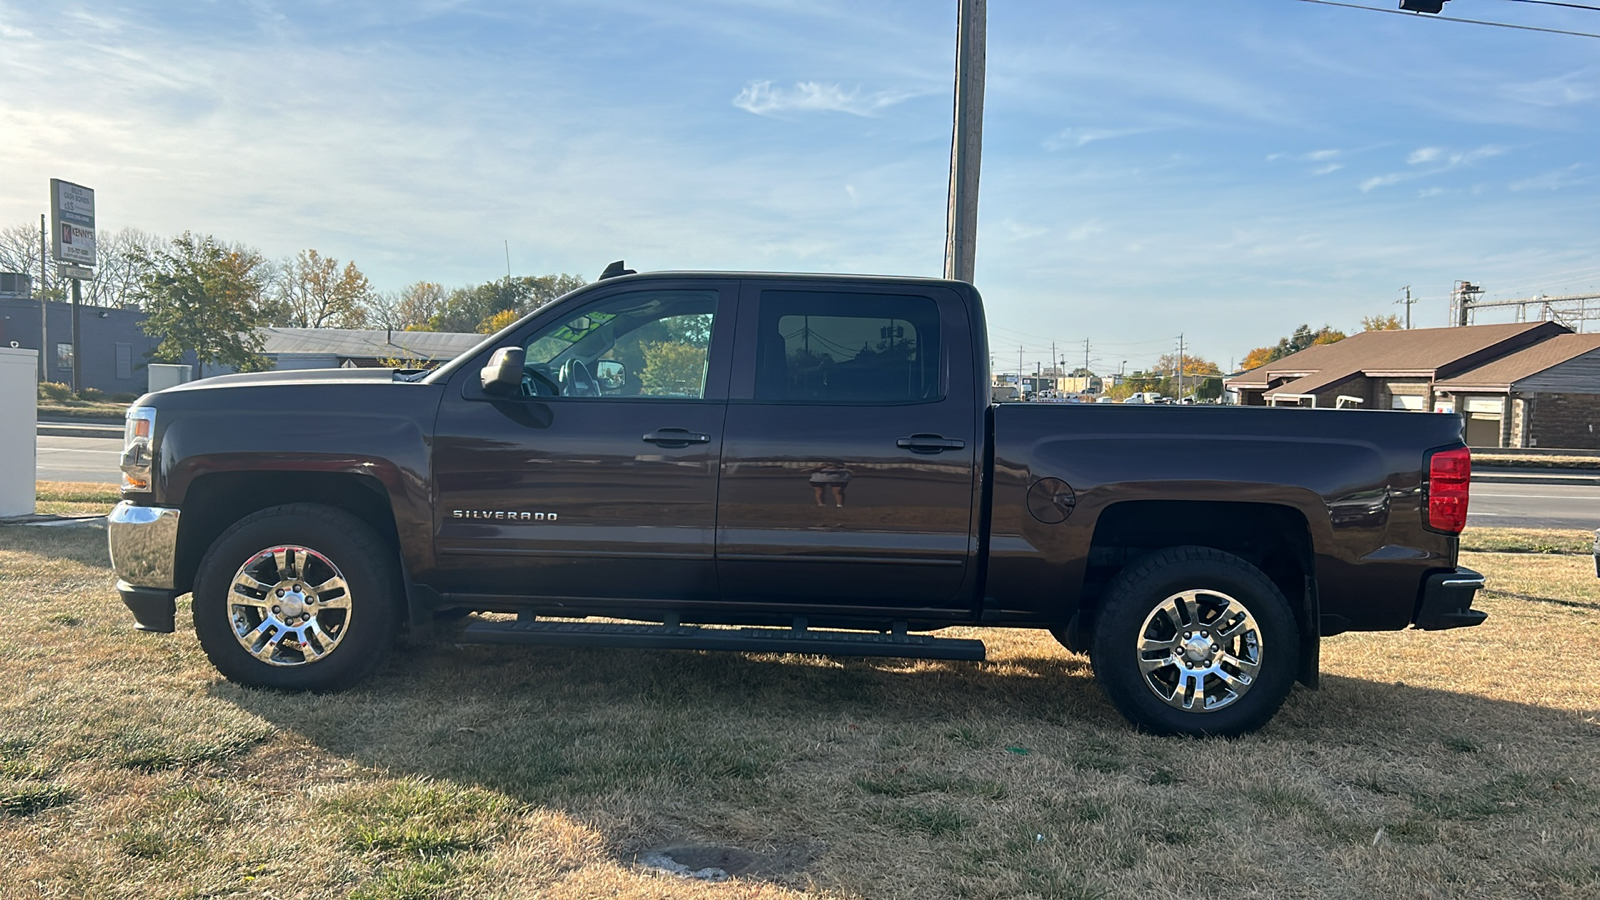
[(328, 348)]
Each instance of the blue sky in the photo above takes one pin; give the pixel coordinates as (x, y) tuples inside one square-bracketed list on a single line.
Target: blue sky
[(1224, 169)]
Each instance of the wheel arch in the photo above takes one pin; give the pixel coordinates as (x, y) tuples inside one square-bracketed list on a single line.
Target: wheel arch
[(215, 501), (1275, 538)]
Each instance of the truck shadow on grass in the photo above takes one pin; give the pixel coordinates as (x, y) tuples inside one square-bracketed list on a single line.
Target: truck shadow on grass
[(570, 727)]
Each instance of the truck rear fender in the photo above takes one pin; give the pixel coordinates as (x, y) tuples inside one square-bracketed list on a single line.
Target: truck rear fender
[(1274, 538)]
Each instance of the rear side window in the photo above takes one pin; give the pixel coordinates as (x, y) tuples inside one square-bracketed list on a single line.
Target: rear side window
[(817, 347)]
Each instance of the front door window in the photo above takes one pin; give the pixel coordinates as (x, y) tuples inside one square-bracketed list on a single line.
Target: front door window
[(651, 344)]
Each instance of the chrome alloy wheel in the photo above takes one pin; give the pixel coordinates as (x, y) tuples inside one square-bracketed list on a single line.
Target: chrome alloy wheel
[(1200, 650), (289, 606)]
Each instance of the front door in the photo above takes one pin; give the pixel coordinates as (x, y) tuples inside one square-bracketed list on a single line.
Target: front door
[(599, 478), (849, 467)]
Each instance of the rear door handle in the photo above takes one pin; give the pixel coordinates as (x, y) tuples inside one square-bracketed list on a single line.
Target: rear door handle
[(676, 437), (930, 443)]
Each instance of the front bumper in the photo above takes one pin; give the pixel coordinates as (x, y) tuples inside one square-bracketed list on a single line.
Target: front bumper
[(1447, 601), (144, 546)]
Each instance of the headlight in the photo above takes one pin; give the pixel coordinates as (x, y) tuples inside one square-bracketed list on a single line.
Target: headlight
[(137, 458)]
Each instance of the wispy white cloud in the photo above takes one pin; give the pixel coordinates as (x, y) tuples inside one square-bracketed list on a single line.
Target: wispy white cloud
[(1563, 90), (1552, 180), (761, 98), (1437, 159), (1072, 138), (1327, 169), (1383, 181)]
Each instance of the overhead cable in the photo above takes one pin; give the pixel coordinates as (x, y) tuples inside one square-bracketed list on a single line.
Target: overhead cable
[(1396, 12)]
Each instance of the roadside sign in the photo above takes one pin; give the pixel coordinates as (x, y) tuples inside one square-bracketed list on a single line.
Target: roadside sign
[(72, 213), (65, 271)]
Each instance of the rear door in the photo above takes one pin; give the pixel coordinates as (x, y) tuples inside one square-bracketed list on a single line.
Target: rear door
[(849, 467)]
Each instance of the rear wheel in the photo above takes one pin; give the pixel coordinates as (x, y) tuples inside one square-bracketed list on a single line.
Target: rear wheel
[(297, 597), (1191, 640)]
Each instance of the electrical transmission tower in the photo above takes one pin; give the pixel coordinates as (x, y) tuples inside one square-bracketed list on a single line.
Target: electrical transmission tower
[(1571, 310)]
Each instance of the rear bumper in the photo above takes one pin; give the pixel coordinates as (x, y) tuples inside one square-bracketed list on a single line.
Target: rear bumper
[(1447, 601)]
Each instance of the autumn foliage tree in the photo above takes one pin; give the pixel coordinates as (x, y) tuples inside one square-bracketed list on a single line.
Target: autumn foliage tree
[(314, 292), (204, 297), (1302, 338)]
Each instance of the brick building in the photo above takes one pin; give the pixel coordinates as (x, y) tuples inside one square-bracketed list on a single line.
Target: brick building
[(1533, 384)]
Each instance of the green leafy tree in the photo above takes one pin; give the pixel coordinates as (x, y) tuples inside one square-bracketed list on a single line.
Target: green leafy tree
[(466, 309), (672, 369), (203, 296)]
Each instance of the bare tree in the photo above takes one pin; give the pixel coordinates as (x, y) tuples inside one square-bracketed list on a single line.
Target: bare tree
[(19, 252), (314, 292), (413, 306), (121, 258)]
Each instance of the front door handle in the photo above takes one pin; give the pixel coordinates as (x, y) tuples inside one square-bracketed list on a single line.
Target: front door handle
[(676, 437), (930, 443)]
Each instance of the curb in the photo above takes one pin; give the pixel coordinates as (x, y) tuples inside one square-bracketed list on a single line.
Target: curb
[(61, 429), (1507, 478)]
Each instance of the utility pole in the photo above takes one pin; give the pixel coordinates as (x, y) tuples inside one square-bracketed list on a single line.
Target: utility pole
[(1407, 301), (44, 306), (966, 143), (77, 357), (1180, 368), (1085, 358)]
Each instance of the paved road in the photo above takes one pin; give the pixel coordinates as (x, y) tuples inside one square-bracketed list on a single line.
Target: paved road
[(78, 459), (1506, 505), (1535, 506)]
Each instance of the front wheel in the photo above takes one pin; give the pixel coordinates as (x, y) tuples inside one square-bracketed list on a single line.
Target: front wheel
[(297, 597), (1191, 640)]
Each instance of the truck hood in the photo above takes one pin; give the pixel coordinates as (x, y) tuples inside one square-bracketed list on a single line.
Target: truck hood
[(289, 376)]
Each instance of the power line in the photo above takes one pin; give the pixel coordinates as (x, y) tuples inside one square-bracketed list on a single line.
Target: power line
[(1557, 3), (1396, 12)]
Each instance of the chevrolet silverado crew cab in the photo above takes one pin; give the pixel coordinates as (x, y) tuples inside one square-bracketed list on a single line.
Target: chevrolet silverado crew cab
[(781, 463)]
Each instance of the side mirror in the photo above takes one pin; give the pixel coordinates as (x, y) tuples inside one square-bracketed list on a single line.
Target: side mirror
[(611, 374), (503, 374)]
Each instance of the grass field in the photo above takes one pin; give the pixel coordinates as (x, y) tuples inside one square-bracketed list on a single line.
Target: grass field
[(1448, 764)]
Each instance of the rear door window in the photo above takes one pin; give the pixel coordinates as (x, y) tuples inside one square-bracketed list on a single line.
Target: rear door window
[(816, 347)]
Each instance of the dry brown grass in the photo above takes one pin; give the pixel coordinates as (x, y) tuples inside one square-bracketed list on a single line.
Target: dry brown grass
[(1527, 540), (74, 498), (1448, 764)]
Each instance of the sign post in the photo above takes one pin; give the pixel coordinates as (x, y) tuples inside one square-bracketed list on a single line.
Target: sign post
[(72, 214)]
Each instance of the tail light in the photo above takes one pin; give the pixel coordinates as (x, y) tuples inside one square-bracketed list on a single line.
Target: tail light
[(1449, 479)]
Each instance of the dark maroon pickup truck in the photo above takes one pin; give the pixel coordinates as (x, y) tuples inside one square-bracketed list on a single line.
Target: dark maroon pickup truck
[(812, 459)]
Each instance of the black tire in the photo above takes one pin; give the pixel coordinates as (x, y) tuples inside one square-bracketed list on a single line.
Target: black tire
[(1135, 657), (355, 636)]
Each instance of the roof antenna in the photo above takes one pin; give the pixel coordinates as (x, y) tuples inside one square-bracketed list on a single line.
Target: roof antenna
[(615, 269)]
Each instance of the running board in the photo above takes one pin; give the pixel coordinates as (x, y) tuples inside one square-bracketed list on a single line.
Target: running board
[(748, 640)]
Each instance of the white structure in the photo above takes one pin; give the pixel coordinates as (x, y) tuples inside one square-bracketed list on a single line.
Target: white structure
[(19, 413), (165, 375)]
